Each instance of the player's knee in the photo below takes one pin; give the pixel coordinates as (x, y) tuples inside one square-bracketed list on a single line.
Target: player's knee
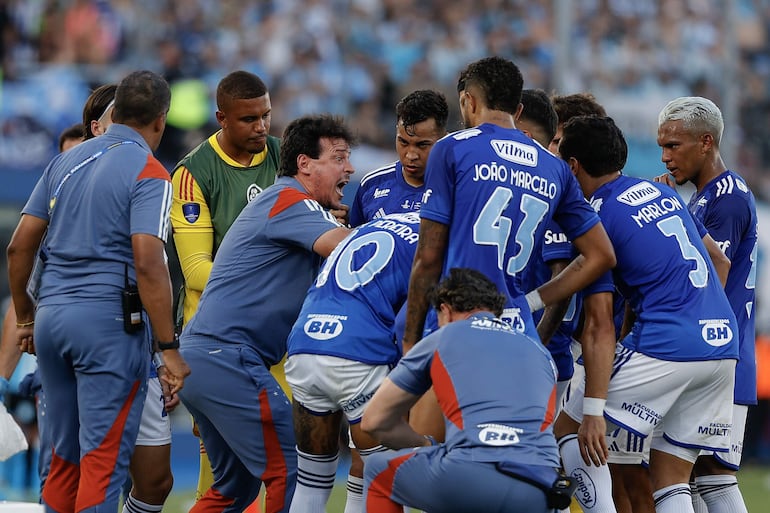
[(356, 464), (154, 492), (152, 487)]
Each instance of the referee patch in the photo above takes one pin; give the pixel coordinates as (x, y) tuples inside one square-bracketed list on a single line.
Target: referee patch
[(191, 212)]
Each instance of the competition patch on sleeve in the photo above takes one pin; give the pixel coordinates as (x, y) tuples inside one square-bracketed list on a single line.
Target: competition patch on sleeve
[(191, 212)]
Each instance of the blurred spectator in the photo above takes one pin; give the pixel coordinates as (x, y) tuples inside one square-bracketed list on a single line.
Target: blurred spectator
[(357, 57)]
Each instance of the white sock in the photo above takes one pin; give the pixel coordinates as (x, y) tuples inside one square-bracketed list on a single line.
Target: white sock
[(315, 480), (697, 501), (365, 453), (673, 499), (355, 497), (133, 505), (721, 493), (594, 490)]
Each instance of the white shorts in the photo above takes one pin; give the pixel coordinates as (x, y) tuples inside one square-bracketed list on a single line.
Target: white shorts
[(688, 402), (627, 448), (155, 428), (576, 381), (326, 384), (732, 459)]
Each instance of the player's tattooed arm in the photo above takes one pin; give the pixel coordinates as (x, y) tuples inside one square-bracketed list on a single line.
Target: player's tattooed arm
[(426, 271), (553, 314)]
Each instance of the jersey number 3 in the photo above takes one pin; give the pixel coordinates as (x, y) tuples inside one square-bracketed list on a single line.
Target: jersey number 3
[(673, 227)]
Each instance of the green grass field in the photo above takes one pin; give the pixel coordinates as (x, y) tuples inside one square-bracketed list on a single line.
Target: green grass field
[(754, 482)]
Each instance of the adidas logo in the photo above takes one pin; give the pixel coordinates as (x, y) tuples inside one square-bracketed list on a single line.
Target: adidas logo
[(381, 193)]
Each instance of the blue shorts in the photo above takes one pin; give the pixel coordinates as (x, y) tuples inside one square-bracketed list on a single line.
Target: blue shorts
[(245, 422), (430, 479), (94, 376)]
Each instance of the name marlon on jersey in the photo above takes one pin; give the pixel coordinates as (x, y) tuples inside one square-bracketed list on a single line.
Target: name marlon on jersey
[(654, 211), (496, 172)]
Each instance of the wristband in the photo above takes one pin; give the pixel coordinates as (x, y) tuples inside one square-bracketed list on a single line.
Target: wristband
[(163, 346), (593, 406), (157, 359), (25, 324), (534, 301)]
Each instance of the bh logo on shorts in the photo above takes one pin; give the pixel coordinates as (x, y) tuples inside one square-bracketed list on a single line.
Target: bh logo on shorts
[(716, 332), (498, 434), (324, 326)]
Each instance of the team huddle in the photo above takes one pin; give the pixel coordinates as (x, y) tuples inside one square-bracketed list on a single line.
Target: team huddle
[(502, 322)]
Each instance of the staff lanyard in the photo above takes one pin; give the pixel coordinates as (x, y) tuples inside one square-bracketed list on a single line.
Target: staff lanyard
[(77, 168)]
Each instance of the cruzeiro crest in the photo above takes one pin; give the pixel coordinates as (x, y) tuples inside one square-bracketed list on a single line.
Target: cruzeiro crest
[(252, 192)]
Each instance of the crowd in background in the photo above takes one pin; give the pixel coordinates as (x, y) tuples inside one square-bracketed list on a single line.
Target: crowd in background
[(358, 57)]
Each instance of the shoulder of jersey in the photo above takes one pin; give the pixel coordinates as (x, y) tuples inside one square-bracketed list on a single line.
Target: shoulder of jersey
[(729, 184), (404, 217), (463, 134), (380, 174)]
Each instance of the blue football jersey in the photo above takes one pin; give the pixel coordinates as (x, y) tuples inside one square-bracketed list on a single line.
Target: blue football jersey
[(664, 271), (496, 190), (384, 191), (555, 246), (726, 208), (350, 311)]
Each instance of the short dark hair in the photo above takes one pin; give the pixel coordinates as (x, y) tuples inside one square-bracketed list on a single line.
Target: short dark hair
[(578, 104), (421, 105), (466, 290), (303, 137), (72, 132), (539, 110), (596, 142), (239, 85), (499, 80), (96, 105), (141, 98)]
